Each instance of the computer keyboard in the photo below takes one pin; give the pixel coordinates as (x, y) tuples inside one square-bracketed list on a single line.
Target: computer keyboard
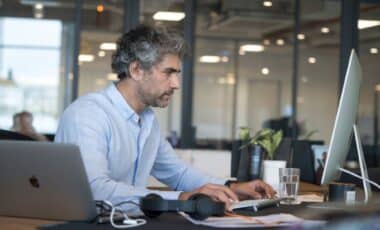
[(256, 205)]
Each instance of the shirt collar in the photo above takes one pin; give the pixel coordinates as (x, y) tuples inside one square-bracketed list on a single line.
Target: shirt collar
[(122, 105)]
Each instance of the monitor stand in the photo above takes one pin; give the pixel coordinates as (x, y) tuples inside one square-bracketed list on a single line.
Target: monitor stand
[(364, 177)]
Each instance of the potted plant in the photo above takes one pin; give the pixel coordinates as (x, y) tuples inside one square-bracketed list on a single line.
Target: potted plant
[(263, 146)]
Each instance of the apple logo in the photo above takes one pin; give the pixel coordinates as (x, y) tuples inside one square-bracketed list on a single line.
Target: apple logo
[(34, 182)]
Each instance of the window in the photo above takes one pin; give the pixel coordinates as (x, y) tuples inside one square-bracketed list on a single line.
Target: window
[(30, 71)]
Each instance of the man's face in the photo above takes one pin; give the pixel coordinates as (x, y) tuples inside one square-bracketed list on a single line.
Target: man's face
[(159, 83)]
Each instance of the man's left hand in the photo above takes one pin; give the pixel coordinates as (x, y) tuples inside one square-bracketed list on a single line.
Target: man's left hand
[(256, 189)]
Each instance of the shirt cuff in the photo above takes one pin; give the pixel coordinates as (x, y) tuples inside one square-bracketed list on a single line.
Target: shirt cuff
[(169, 195)]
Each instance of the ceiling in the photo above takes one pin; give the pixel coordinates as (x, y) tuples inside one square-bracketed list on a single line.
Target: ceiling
[(222, 19)]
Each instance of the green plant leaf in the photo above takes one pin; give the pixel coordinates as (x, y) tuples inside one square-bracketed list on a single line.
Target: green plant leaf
[(244, 134)]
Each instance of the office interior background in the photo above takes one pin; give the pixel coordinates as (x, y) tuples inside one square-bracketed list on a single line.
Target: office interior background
[(252, 62)]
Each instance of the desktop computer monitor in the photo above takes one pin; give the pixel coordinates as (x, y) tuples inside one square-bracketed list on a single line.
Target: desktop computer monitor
[(344, 127), (344, 121)]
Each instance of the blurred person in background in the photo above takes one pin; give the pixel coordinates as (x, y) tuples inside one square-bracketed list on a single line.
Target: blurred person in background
[(23, 123)]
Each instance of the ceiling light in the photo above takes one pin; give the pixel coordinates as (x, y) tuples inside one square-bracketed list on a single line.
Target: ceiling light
[(209, 59), (325, 30), (168, 16), (38, 15), (267, 3), (265, 71), (112, 77), (301, 36), (378, 87), (312, 60), (99, 8), (107, 46), (224, 59), (266, 42), (101, 53), (363, 24), (38, 10), (38, 6), (374, 50), (86, 58), (252, 48), (241, 52), (280, 42)]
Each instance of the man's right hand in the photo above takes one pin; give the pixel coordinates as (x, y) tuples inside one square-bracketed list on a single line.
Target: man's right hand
[(216, 192)]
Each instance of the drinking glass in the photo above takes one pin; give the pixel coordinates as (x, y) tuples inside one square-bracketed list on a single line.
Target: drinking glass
[(289, 183)]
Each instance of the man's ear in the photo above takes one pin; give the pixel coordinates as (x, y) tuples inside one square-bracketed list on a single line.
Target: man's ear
[(135, 71)]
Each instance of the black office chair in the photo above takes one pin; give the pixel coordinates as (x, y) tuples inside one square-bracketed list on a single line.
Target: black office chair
[(303, 158), (9, 135)]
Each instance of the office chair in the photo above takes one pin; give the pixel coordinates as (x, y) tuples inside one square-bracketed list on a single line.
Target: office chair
[(9, 135)]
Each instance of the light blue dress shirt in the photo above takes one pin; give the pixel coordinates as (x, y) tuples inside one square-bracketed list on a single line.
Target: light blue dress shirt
[(121, 148)]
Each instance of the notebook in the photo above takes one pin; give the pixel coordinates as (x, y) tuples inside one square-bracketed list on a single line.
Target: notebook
[(44, 180)]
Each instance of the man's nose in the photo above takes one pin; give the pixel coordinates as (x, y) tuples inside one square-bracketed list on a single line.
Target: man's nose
[(174, 82)]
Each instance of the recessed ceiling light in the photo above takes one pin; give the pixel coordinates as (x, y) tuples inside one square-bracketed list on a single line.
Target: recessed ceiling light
[(86, 58), (252, 48), (312, 60), (325, 30), (265, 71), (301, 36), (363, 24), (38, 15), (99, 8), (108, 46), (101, 53), (168, 16), (209, 59), (267, 3), (374, 50), (266, 42), (280, 42), (38, 6)]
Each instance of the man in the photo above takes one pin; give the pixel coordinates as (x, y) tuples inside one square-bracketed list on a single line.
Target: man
[(119, 136)]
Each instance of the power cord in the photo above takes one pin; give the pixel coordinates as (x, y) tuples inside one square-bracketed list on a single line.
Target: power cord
[(127, 222), (360, 177)]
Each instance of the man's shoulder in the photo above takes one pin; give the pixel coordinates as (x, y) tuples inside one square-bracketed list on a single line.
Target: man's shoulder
[(92, 103)]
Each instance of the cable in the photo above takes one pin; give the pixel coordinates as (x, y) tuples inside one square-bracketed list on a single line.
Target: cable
[(360, 177), (127, 222)]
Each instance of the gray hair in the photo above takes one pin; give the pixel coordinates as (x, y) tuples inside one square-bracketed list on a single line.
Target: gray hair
[(146, 45)]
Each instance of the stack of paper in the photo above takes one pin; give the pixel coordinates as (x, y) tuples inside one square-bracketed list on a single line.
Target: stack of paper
[(238, 221)]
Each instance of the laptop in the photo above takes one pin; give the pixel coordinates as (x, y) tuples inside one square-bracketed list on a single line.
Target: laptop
[(44, 180)]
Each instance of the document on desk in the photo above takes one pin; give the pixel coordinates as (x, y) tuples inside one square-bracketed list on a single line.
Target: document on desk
[(239, 221)]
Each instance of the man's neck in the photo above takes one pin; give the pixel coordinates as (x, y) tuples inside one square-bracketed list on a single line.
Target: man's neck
[(130, 95)]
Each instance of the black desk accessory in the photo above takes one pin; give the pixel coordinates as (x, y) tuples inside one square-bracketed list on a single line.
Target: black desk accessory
[(199, 206)]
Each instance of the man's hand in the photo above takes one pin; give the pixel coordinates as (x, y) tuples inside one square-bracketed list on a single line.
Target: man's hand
[(256, 189), (216, 192)]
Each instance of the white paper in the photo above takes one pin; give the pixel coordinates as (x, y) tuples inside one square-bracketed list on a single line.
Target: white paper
[(310, 198), (239, 221)]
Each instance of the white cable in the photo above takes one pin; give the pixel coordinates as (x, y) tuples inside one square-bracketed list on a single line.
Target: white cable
[(360, 177), (127, 223)]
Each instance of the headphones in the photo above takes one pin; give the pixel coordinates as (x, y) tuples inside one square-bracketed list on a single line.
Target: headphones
[(199, 206)]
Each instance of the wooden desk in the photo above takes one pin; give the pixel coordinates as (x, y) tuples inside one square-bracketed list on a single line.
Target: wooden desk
[(171, 221), (22, 223)]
